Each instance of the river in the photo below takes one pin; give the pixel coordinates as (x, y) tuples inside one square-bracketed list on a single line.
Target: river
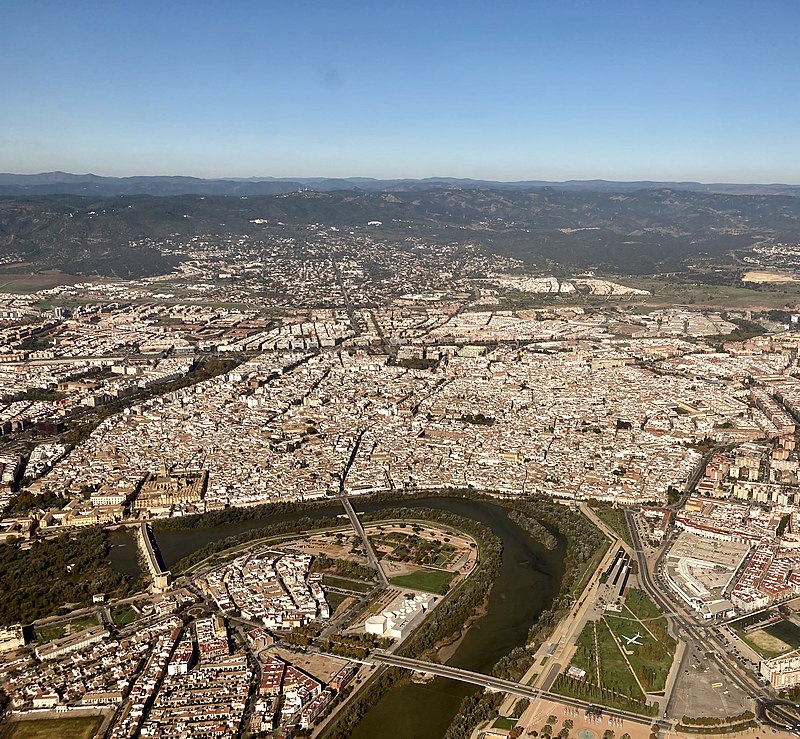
[(527, 583), (124, 552)]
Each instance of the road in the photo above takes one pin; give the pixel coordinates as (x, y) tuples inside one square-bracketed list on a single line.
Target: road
[(780, 715), (701, 635), (696, 476), (566, 632)]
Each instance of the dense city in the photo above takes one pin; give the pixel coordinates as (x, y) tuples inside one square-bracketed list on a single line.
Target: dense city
[(279, 384)]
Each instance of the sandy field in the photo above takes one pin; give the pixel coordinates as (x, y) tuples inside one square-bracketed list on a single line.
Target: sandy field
[(760, 276)]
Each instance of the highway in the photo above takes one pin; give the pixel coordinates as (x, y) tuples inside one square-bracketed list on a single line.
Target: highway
[(780, 715), (499, 685)]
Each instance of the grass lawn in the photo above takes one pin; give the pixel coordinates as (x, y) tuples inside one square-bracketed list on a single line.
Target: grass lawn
[(614, 518), (614, 671), (335, 600), (124, 615), (431, 581), (49, 632), (79, 727), (584, 655), (786, 631), (615, 675), (652, 659), (504, 723), (640, 605)]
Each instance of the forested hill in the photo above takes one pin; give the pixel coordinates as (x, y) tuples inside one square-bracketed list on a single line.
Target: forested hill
[(640, 231)]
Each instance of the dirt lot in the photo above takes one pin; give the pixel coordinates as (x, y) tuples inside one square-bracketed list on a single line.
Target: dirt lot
[(332, 545), (462, 560), (319, 666), (768, 643)]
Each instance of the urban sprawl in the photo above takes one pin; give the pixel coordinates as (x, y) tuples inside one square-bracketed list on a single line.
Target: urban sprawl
[(330, 365)]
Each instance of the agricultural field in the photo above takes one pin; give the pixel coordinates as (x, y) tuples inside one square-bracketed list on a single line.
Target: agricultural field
[(720, 297), (31, 282)]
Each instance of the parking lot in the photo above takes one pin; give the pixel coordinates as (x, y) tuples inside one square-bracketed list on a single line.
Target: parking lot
[(702, 689)]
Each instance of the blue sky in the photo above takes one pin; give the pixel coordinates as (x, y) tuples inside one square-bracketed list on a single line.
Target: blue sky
[(564, 89)]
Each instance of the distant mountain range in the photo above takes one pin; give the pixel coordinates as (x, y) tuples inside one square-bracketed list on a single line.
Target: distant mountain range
[(64, 183)]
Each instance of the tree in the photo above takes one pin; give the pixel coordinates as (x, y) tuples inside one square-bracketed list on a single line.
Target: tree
[(520, 707)]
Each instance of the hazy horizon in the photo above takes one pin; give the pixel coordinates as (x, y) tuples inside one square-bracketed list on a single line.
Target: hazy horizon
[(386, 178)]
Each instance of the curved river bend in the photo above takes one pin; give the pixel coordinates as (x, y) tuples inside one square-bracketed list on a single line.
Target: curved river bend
[(527, 583)]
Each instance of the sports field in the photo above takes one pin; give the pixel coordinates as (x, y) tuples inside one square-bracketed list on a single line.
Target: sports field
[(773, 640), (431, 581), (78, 727)]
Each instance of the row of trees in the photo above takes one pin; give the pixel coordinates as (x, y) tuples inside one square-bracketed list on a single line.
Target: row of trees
[(587, 691), (353, 646), (535, 529), (716, 721), (213, 519)]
